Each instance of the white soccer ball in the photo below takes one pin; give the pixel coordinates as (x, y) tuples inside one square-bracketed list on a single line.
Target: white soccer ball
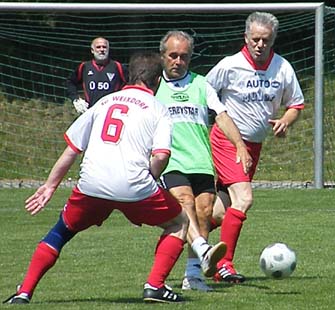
[(277, 261)]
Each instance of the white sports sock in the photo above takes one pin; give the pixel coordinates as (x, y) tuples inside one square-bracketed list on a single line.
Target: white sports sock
[(200, 246)]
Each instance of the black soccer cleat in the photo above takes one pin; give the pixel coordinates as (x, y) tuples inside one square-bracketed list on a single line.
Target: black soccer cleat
[(163, 294), (17, 299), (228, 274)]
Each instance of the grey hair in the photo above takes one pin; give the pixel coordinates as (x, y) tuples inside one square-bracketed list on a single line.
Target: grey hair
[(92, 43), (262, 18), (176, 34)]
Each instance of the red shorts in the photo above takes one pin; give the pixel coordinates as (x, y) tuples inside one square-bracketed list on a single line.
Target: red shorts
[(224, 157), (82, 211)]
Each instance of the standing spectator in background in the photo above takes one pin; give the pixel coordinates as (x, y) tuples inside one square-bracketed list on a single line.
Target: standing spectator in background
[(189, 175), (96, 78), (252, 84)]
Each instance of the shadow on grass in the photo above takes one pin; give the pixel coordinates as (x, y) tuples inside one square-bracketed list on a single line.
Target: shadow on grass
[(266, 289), (248, 283), (283, 293), (291, 278), (122, 300), (218, 286), (253, 282)]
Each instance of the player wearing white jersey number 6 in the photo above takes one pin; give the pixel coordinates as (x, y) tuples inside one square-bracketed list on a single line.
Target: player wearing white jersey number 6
[(126, 139), (252, 84)]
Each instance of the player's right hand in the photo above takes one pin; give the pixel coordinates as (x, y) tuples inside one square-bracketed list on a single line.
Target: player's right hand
[(80, 105), (37, 201)]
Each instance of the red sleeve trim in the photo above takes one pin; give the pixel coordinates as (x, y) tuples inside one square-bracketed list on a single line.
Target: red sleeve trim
[(80, 72), (120, 69), (297, 107), (71, 145), (81, 80), (165, 151)]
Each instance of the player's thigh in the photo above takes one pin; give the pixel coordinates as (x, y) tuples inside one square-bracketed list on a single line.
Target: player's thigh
[(228, 170), (183, 194), (177, 227), (179, 185), (203, 187), (180, 219)]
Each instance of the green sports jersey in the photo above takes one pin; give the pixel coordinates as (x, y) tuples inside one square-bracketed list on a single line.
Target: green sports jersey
[(190, 152)]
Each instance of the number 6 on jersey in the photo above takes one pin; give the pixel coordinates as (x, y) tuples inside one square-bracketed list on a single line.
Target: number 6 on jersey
[(112, 128)]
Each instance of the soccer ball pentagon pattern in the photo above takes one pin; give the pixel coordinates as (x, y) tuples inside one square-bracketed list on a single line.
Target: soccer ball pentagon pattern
[(277, 261)]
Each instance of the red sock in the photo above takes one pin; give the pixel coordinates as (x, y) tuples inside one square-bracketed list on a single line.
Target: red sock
[(230, 232), (42, 260), (167, 252)]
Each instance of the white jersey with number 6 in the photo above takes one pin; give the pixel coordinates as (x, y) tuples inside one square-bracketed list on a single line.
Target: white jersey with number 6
[(252, 95), (118, 135)]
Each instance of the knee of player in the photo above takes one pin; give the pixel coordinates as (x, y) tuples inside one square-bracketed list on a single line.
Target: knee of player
[(204, 213), (243, 203), (186, 200)]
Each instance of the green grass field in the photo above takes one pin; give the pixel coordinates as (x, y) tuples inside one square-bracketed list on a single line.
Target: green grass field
[(105, 268)]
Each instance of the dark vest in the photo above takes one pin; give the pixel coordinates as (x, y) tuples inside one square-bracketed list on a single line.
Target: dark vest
[(99, 81)]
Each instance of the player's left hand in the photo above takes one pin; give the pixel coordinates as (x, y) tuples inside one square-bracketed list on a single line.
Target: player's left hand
[(279, 127), (37, 201)]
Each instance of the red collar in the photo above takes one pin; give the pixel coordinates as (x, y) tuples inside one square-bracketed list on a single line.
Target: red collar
[(100, 67), (248, 57)]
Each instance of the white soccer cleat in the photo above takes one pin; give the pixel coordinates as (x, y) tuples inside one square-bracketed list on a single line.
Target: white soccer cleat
[(211, 258), (192, 283)]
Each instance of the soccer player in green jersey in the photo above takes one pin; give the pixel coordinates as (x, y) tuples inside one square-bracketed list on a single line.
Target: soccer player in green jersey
[(189, 175)]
